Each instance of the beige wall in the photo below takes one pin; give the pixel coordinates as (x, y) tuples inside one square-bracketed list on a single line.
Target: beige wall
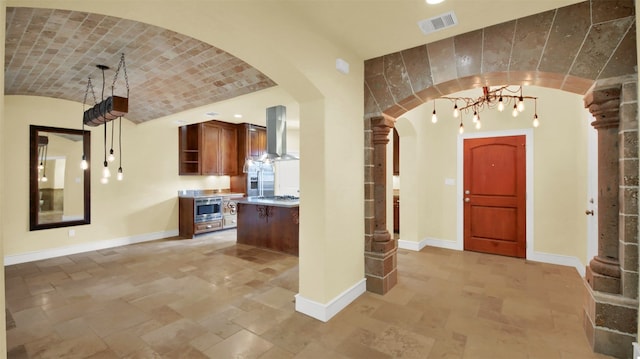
[(559, 168)]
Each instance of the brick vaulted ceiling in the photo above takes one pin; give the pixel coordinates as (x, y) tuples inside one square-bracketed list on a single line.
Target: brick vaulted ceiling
[(53, 52), (568, 48)]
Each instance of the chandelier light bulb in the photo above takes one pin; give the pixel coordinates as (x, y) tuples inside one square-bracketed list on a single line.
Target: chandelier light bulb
[(84, 164), (515, 111), (44, 178), (478, 125), (40, 167), (461, 129), (475, 116), (520, 104), (500, 105), (120, 175), (434, 118), (104, 180), (536, 122), (111, 157), (456, 111), (105, 171)]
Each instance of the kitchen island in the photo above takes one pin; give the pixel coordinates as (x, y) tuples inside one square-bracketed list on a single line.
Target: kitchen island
[(270, 223)]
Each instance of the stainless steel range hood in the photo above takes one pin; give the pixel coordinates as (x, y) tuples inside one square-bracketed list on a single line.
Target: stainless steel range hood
[(277, 135)]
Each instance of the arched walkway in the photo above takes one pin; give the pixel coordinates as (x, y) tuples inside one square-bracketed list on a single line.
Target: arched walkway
[(589, 49)]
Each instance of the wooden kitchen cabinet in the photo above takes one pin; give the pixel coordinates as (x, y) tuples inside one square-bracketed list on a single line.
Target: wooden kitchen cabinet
[(252, 142), (396, 214), (208, 148), (269, 226), (396, 153), (189, 150)]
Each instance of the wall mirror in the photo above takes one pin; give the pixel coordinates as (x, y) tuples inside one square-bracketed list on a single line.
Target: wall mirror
[(59, 189)]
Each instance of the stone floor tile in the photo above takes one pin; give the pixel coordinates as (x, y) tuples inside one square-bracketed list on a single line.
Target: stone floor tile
[(208, 297), (243, 344), (165, 338)]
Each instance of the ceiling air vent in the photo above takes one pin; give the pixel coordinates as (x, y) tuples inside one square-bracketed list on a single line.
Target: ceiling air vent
[(438, 23)]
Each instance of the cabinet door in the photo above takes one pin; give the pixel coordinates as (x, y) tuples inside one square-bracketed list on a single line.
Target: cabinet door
[(258, 141), (228, 151), (396, 153), (210, 143), (396, 214)]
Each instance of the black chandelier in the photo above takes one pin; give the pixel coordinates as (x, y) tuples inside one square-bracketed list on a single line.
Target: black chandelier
[(103, 112), (499, 98)]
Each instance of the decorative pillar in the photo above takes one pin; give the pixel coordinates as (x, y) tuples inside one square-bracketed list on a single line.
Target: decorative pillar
[(380, 248), (611, 282), (603, 272)]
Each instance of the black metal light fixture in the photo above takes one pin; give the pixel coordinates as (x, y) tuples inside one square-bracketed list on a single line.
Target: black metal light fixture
[(103, 112), (490, 99)]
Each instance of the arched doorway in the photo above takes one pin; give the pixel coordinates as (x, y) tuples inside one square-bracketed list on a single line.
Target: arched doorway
[(563, 49)]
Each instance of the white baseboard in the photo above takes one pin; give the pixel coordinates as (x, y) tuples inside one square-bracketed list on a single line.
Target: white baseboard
[(558, 259), (433, 242), (636, 351), (85, 247), (324, 312)]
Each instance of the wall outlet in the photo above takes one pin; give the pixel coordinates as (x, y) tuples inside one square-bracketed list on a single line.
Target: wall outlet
[(72, 232)]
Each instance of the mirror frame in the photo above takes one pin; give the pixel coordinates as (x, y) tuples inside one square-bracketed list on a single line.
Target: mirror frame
[(34, 198)]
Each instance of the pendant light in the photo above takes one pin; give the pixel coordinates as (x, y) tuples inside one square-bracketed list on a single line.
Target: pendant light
[(111, 108), (434, 118), (120, 175)]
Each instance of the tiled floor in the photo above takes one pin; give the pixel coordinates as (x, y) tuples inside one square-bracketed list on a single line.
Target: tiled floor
[(209, 297)]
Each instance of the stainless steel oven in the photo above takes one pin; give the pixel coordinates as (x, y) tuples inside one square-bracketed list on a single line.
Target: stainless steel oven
[(207, 209)]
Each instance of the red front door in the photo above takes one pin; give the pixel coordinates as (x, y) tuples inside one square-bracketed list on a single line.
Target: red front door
[(495, 195)]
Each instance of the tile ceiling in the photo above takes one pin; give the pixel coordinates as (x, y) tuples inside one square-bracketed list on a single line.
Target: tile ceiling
[(53, 52)]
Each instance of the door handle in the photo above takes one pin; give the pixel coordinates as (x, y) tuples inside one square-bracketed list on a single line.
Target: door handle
[(589, 212), (467, 199)]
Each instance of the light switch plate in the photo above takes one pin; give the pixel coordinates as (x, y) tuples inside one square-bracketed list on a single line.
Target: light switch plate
[(449, 181)]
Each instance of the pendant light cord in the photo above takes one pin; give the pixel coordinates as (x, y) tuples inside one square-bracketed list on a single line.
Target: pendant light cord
[(120, 140)]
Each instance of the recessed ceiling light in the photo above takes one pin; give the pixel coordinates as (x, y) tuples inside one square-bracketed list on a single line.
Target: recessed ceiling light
[(237, 115), (433, 2)]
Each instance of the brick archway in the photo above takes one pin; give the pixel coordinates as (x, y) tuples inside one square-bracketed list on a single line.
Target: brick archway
[(582, 48)]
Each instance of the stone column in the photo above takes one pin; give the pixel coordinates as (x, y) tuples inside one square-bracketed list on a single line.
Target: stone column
[(380, 248), (611, 281), (603, 272)]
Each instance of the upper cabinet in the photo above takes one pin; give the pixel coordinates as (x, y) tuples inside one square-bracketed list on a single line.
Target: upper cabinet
[(189, 149), (252, 142), (208, 148)]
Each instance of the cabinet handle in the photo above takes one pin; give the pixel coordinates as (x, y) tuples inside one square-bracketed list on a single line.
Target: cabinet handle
[(209, 226), (589, 212)]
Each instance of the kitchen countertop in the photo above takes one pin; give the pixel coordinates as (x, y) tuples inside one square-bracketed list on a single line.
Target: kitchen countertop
[(197, 193), (271, 202)]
